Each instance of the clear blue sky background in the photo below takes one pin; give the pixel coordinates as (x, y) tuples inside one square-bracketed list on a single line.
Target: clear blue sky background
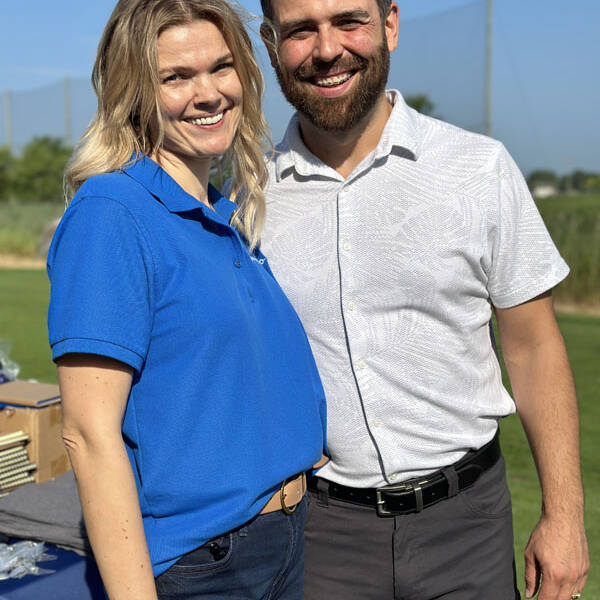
[(546, 76)]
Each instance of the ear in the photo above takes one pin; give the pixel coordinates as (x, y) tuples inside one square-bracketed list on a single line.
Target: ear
[(391, 27), (269, 38)]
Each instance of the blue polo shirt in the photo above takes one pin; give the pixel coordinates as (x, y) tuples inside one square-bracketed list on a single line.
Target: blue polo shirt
[(226, 401)]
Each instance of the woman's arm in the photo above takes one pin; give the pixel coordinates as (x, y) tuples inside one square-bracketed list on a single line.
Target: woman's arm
[(94, 392)]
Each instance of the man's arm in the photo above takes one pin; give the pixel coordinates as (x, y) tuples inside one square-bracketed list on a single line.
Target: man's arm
[(542, 384), (94, 392)]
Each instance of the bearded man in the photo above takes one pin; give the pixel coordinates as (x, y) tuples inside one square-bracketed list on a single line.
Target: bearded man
[(396, 236)]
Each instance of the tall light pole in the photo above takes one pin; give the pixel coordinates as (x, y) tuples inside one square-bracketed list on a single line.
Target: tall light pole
[(7, 121), (488, 67), (67, 98)]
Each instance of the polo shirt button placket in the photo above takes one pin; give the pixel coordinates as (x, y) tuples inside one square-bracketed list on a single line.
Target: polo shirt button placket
[(238, 247)]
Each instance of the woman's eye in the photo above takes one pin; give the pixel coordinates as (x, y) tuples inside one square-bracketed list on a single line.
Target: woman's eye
[(172, 77), (224, 66)]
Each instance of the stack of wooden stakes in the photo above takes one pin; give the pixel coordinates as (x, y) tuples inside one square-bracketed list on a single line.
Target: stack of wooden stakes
[(15, 466)]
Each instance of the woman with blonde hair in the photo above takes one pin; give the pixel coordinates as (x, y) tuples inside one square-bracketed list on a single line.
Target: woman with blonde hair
[(192, 405)]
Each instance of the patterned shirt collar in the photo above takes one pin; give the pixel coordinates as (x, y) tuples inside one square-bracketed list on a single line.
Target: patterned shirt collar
[(401, 132)]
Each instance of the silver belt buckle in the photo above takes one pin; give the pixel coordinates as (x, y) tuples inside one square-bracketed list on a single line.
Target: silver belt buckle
[(401, 488)]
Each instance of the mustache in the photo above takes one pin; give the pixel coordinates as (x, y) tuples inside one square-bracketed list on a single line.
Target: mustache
[(310, 70)]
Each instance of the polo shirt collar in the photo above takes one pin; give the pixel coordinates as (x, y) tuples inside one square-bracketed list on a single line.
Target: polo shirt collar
[(401, 131), (168, 192)]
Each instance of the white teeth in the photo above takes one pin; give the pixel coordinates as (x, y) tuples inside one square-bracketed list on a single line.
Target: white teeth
[(332, 81), (207, 120)]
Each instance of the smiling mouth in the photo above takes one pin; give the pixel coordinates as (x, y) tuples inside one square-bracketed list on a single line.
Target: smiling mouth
[(212, 120), (333, 80)]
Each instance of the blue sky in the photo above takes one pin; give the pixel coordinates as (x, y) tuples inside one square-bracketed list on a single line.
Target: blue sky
[(546, 61)]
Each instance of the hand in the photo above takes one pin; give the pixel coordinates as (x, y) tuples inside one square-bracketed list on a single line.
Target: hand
[(557, 554)]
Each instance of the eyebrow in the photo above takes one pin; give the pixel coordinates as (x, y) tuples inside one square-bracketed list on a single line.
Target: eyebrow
[(348, 14), (217, 61)]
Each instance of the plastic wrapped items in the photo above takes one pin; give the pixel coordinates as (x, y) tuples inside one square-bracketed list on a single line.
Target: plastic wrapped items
[(21, 558), (9, 369)]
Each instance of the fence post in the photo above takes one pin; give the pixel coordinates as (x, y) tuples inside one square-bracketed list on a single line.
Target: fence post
[(68, 129), (7, 121), (488, 67)]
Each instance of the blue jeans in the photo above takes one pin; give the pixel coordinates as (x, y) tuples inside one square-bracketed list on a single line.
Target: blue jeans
[(262, 560)]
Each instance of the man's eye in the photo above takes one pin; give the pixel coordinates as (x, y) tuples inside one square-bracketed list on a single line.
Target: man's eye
[(350, 24), (224, 66), (301, 32)]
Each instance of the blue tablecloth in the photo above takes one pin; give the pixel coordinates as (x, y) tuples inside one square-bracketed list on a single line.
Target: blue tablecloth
[(76, 578)]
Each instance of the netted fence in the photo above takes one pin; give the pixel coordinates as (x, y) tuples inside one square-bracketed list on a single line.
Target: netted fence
[(441, 56), (59, 110)]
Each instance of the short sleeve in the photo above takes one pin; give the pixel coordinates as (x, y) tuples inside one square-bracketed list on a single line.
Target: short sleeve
[(100, 270), (523, 260)]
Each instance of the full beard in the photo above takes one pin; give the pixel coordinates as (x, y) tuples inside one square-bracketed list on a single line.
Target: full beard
[(343, 113)]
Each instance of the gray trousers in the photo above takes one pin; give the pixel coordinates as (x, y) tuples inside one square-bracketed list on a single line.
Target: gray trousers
[(458, 549)]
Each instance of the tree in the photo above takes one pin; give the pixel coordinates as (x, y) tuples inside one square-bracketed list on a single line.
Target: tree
[(578, 179), (7, 161), (592, 183), (565, 183), (38, 173), (420, 102), (542, 176)]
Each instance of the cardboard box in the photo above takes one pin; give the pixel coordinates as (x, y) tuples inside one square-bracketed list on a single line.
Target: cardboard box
[(35, 409)]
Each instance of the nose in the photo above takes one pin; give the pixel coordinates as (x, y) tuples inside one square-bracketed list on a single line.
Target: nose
[(327, 46), (206, 93)]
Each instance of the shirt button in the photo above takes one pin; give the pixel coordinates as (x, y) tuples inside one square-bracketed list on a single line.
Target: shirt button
[(237, 263), (361, 364), (351, 306), (376, 423), (347, 246), (393, 477)]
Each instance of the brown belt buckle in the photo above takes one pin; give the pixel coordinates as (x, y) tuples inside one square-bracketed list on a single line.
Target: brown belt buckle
[(287, 510)]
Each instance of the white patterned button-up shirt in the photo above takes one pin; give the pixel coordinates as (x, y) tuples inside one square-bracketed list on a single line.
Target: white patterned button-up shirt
[(393, 272)]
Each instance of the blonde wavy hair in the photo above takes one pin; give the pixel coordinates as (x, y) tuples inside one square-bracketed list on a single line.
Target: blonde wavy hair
[(128, 119)]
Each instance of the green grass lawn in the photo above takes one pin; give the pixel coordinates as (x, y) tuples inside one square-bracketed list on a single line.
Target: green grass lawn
[(23, 308), (24, 299)]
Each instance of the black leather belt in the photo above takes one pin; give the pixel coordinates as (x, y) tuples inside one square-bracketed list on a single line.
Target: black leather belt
[(414, 495)]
